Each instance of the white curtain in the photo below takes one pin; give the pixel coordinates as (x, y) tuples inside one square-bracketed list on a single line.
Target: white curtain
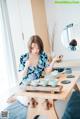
[(8, 75)]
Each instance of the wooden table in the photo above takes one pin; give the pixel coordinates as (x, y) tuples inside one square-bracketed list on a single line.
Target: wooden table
[(42, 103)]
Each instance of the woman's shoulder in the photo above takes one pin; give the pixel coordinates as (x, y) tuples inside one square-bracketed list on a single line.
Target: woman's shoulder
[(43, 55), (25, 55)]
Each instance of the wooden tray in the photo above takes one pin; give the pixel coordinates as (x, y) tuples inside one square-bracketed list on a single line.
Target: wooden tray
[(47, 89)]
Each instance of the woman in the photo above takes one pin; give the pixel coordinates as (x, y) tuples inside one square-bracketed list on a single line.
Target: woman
[(33, 63)]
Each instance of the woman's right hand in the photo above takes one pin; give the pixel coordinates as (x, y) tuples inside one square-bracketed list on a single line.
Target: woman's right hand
[(22, 73), (28, 63)]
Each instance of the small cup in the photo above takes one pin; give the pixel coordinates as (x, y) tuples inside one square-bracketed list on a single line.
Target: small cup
[(68, 70), (52, 83), (43, 82), (60, 69)]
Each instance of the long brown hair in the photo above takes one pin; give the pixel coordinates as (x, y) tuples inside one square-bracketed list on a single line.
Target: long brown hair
[(36, 39)]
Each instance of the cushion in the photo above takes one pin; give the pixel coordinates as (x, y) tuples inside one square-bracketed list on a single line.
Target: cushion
[(73, 107)]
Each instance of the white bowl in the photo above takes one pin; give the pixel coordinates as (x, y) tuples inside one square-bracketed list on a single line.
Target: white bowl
[(34, 82), (54, 73), (43, 82), (53, 82)]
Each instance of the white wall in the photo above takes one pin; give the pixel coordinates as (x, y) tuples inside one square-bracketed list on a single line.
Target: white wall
[(58, 16), (21, 22)]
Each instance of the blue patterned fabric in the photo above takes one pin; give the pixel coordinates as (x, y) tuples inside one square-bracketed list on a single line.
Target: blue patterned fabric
[(73, 108), (16, 111), (33, 72)]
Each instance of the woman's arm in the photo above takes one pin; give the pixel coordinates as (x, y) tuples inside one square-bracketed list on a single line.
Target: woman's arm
[(23, 72), (49, 68), (23, 65)]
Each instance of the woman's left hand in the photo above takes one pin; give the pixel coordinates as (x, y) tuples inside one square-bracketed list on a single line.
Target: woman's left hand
[(57, 58)]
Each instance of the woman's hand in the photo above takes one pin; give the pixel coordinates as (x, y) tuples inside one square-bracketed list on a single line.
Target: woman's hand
[(32, 61), (57, 59), (28, 63), (22, 73)]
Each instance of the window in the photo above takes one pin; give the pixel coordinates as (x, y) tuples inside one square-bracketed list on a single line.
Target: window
[(7, 58)]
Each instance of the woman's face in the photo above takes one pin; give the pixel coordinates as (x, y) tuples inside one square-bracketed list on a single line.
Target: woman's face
[(34, 49)]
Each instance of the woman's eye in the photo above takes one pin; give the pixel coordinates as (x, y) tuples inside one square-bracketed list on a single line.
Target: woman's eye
[(32, 48)]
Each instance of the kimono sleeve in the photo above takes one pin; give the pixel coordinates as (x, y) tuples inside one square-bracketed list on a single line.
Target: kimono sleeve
[(23, 59)]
